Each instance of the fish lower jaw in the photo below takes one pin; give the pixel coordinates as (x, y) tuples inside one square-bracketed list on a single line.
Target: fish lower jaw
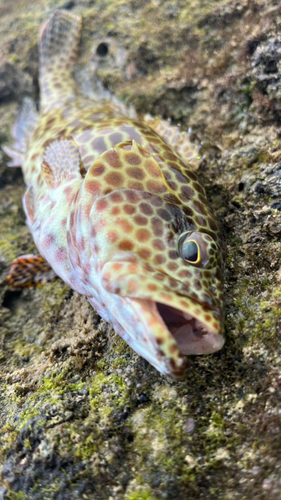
[(192, 335), (163, 335)]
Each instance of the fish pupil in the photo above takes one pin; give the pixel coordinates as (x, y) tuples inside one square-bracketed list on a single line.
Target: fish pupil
[(190, 251)]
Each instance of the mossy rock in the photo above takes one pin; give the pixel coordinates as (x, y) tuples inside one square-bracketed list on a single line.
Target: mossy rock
[(82, 416)]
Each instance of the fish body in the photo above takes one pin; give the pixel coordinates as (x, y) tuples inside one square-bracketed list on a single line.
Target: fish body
[(118, 214)]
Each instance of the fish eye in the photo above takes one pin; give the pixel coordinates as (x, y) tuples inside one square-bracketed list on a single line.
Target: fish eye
[(193, 249), (190, 251)]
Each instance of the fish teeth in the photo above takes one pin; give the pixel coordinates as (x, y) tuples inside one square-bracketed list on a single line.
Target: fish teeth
[(198, 325), (200, 328)]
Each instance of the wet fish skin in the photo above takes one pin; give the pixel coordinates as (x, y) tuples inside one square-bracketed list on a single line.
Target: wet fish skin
[(116, 209)]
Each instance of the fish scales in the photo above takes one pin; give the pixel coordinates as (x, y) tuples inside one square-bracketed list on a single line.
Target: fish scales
[(117, 210)]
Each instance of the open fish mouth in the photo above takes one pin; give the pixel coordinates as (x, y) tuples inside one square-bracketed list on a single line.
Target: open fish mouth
[(164, 334), (192, 335)]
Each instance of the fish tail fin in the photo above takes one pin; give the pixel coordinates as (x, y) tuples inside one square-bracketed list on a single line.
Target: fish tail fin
[(24, 124), (58, 46)]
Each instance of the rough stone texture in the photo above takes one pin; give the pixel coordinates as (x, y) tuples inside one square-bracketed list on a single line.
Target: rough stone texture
[(82, 417)]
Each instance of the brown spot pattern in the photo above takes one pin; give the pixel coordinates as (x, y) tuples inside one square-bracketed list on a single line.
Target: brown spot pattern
[(138, 196)]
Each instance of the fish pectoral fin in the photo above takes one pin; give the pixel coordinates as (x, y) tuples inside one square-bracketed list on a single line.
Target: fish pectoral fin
[(30, 270), (122, 278), (60, 161), (179, 141)]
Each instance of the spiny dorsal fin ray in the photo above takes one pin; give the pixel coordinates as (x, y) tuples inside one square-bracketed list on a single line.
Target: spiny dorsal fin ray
[(180, 141), (61, 160), (58, 44)]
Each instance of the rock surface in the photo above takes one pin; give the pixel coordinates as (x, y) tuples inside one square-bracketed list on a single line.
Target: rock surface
[(81, 415)]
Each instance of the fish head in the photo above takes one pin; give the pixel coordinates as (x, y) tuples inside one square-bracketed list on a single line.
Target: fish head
[(163, 261)]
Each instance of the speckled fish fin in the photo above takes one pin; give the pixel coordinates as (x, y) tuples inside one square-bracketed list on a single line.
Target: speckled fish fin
[(24, 124), (58, 44), (180, 141), (30, 270), (61, 162)]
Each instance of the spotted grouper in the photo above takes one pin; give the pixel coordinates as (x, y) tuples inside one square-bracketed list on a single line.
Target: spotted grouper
[(117, 211)]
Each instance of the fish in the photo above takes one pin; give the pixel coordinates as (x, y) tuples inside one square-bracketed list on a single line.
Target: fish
[(118, 212)]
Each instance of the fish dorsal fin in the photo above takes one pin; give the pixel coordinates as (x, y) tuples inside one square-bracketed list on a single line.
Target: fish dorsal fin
[(61, 160), (58, 44), (179, 140)]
